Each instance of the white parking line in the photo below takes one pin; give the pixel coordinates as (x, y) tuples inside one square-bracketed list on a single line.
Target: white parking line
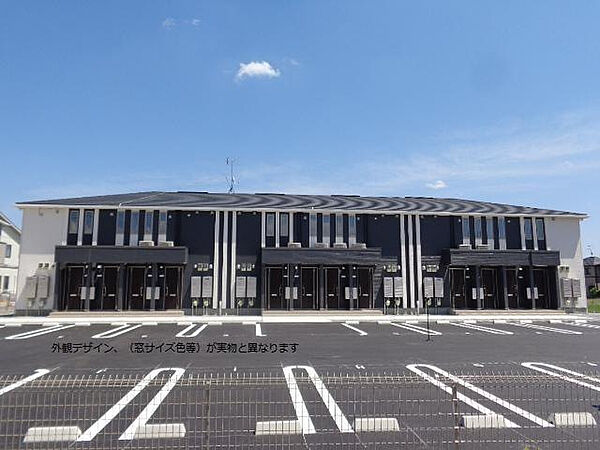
[(39, 332), (38, 373), (584, 325), (184, 333), (527, 415), (109, 415), (359, 331), (416, 328), (481, 328), (258, 330), (115, 331), (533, 366), (544, 328)]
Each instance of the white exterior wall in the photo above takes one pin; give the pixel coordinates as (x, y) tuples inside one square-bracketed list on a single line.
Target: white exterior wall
[(563, 234), (42, 230), (9, 266)]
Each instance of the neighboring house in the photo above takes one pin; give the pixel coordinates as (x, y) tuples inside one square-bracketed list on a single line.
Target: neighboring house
[(10, 240), (592, 272), (217, 252)]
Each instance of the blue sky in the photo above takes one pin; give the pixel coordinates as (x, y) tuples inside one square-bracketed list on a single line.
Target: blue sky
[(496, 101)]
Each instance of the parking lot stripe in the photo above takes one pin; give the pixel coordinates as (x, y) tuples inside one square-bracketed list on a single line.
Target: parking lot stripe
[(533, 366), (116, 331), (469, 401), (109, 415), (481, 328), (544, 328), (416, 329), (582, 324), (184, 333), (527, 415), (37, 373), (359, 331), (258, 330), (39, 332)]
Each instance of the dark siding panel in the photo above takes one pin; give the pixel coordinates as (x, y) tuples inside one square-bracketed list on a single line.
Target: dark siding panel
[(197, 232), (513, 233), (360, 228), (304, 229), (384, 232), (107, 226), (457, 231), (496, 234), (141, 225), (248, 236), (173, 219), (345, 228), (319, 227), (155, 226), (472, 231), (436, 234)]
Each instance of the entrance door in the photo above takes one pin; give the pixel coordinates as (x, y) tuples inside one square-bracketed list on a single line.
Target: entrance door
[(275, 289), (107, 287), (332, 287), (523, 277), (540, 281), (75, 282), (512, 288), (457, 288), (172, 286), (490, 288), (308, 287), (365, 284), (136, 287)]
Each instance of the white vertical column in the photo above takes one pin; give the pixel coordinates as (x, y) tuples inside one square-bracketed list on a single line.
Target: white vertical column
[(262, 229), (403, 262), (224, 265), (233, 258), (466, 230), (291, 225), (277, 229), (95, 230), (411, 261), (501, 233), (478, 231), (80, 228), (534, 233), (489, 224), (216, 261), (419, 265), (522, 228)]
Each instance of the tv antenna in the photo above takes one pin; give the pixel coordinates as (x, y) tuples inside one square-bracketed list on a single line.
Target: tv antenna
[(589, 249), (231, 179)]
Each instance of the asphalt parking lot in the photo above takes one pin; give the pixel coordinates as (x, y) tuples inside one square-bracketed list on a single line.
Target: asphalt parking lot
[(301, 385)]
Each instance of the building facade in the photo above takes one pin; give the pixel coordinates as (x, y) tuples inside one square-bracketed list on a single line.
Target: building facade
[(592, 273), (210, 253), (10, 238)]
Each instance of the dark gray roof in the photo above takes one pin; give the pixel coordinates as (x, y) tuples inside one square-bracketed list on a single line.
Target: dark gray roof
[(205, 200), (4, 220)]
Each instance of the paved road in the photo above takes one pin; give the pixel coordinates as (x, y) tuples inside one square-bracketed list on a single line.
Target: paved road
[(354, 385)]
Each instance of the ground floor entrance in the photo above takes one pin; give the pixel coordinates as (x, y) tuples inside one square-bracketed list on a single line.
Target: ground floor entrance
[(480, 287), (318, 287), (99, 287)]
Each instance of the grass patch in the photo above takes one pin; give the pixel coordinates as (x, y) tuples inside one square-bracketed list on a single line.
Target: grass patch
[(594, 305)]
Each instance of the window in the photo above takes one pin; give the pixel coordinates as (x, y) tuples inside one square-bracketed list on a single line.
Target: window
[(148, 224), (466, 230), (478, 232), (312, 229), (528, 230), (489, 225), (7, 251), (5, 283), (134, 228), (74, 221), (539, 229), (120, 222), (351, 229), (270, 224), (339, 228), (284, 226), (501, 229), (326, 228), (88, 221), (162, 226)]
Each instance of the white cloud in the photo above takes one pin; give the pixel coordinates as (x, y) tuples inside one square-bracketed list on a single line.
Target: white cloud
[(257, 69), (169, 23), (439, 184), (195, 22)]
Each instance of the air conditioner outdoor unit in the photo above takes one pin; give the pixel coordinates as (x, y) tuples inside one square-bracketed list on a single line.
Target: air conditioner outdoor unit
[(358, 245), (146, 243), (294, 245), (340, 245), (465, 246), (165, 244), (321, 245), (483, 246)]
